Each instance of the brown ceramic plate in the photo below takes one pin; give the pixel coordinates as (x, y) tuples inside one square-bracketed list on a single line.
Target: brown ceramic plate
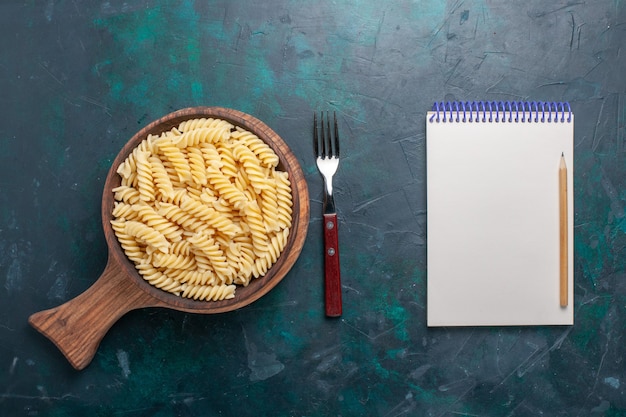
[(78, 326)]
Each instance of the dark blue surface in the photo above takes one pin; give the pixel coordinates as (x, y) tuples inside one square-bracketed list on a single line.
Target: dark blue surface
[(78, 80)]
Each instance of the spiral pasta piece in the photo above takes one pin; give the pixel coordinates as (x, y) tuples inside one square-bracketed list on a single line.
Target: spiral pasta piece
[(214, 253), (193, 138), (254, 220), (147, 234), (145, 182), (151, 218), (277, 244), (172, 174), (124, 211), (175, 198), (203, 262), (210, 216), (126, 194), (199, 123), (211, 155), (284, 201), (229, 165), (225, 188), (208, 292), (173, 261), (128, 168), (162, 180), (183, 219), (251, 165), (269, 209), (129, 243), (177, 158), (266, 155), (158, 278), (182, 247), (197, 166), (192, 277)]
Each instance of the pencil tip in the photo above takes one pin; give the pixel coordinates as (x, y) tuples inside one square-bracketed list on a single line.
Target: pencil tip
[(562, 154)]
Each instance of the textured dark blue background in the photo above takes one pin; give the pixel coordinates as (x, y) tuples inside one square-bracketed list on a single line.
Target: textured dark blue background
[(78, 80)]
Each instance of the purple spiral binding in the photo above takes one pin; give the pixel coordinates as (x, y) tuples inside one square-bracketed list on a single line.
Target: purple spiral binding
[(501, 112)]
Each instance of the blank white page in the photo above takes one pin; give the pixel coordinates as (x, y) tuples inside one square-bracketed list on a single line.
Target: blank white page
[(493, 222)]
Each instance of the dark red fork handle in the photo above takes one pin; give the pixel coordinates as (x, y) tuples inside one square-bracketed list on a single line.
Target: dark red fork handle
[(332, 272)]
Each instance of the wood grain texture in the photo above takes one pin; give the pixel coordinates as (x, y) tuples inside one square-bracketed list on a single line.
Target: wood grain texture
[(78, 326), (332, 268)]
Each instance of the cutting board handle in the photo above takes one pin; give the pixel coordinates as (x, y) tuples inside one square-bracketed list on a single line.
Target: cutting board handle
[(78, 326)]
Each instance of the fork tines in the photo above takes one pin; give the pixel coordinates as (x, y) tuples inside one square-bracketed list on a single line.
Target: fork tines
[(326, 141)]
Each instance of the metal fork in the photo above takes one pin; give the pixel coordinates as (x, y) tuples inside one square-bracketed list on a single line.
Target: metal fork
[(326, 144)]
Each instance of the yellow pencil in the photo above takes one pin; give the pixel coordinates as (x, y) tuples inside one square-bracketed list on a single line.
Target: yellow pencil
[(563, 223)]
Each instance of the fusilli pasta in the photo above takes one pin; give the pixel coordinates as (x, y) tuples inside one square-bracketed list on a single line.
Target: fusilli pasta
[(202, 208)]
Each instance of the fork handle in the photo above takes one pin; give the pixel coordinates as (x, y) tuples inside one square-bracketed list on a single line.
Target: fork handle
[(332, 271)]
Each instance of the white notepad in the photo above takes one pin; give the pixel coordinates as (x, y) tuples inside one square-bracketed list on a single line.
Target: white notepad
[(493, 213)]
